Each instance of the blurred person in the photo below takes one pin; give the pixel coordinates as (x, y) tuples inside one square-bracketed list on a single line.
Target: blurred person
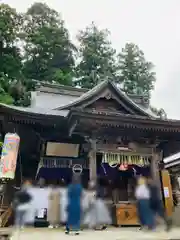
[(53, 213), (63, 202), (41, 183), (156, 203), (21, 204), (98, 214), (101, 186), (115, 191), (103, 217), (74, 195), (89, 218), (142, 194)]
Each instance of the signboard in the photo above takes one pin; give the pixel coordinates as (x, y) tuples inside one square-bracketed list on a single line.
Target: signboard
[(77, 169), (57, 149), (9, 156), (166, 192)]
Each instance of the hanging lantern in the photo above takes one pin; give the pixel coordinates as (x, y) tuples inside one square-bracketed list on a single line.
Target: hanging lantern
[(9, 156)]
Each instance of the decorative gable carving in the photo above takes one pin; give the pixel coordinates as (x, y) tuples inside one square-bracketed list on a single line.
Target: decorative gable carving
[(107, 103), (107, 94)]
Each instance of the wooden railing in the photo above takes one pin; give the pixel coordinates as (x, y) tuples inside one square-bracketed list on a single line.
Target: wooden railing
[(5, 216)]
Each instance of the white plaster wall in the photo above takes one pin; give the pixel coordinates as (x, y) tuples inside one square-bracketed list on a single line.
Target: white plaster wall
[(49, 100)]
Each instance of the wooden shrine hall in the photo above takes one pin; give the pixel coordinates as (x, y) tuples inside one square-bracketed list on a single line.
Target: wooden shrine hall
[(103, 131)]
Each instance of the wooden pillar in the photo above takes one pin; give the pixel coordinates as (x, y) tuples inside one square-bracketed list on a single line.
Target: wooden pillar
[(156, 158), (92, 161)]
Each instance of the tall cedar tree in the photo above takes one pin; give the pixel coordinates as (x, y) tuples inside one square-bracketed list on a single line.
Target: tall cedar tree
[(135, 72), (96, 57)]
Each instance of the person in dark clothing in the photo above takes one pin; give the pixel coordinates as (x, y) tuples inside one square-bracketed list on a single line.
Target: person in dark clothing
[(156, 203), (101, 183), (115, 191), (21, 204), (74, 195)]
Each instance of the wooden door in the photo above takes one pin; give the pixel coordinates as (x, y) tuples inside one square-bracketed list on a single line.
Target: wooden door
[(167, 192)]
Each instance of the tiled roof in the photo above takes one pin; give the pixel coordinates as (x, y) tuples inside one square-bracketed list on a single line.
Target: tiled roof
[(56, 100), (35, 111), (98, 88)]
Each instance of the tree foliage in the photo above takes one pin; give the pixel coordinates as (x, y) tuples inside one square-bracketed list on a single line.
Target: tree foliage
[(48, 51), (97, 57), (135, 71), (36, 46), (10, 56)]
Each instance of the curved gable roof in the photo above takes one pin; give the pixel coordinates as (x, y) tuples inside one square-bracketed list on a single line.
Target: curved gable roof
[(96, 92)]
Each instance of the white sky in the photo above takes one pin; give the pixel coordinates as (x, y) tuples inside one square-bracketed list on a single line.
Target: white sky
[(152, 24)]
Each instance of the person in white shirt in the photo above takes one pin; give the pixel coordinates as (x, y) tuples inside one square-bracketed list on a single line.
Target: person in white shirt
[(142, 195)]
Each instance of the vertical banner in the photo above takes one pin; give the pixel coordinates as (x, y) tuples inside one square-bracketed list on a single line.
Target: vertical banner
[(9, 156)]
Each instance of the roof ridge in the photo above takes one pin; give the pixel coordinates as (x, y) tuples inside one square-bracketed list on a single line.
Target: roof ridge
[(61, 86)]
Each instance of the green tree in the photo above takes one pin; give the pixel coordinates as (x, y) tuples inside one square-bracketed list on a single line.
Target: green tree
[(10, 57), (48, 51), (96, 57), (136, 73)]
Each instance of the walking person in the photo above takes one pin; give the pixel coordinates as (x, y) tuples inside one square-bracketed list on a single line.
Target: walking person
[(142, 194), (21, 205), (156, 203), (63, 202), (74, 195), (103, 217), (97, 216), (89, 219), (115, 191), (53, 213)]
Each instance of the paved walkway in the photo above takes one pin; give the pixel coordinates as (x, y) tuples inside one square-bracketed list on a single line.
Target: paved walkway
[(111, 234)]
